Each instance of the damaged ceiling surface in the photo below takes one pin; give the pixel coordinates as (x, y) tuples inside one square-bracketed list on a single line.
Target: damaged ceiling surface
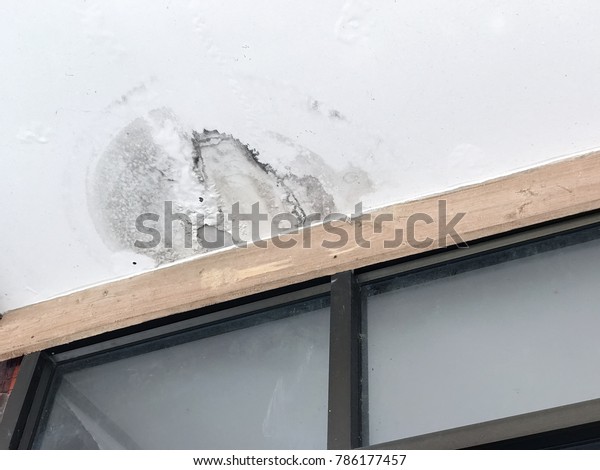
[(114, 111), (156, 166)]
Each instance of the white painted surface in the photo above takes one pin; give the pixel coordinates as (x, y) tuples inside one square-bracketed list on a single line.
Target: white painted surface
[(431, 95)]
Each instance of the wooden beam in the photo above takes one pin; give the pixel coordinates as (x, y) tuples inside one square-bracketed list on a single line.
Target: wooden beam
[(548, 192)]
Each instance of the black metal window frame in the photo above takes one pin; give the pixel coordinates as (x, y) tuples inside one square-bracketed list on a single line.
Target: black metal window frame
[(567, 426)]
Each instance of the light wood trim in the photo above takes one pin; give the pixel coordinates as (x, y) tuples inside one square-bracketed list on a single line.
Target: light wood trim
[(548, 192)]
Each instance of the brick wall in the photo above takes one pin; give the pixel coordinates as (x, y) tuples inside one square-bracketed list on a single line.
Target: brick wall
[(8, 376)]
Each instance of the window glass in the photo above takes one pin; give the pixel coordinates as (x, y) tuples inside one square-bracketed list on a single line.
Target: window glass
[(257, 382), (471, 341)]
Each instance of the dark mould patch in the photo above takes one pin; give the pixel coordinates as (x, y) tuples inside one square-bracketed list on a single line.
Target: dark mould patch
[(197, 160), (311, 188), (335, 114)]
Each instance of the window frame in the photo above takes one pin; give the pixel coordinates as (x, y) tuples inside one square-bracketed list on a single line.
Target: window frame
[(555, 427), (566, 425)]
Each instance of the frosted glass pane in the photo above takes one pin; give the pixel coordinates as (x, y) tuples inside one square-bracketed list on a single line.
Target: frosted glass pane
[(497, 341), (260, 386)]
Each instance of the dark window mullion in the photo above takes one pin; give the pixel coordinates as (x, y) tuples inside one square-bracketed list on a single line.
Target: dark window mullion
[(24, 403), (344, 418)]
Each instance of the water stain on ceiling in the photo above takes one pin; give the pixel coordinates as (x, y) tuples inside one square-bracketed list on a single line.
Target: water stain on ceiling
[(156, 164)]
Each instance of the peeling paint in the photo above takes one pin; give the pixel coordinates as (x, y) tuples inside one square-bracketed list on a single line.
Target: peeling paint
[(238, 176), (155, 159)]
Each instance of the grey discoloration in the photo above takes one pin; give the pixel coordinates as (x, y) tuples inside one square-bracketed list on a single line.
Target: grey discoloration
[(140, 169), (308, 175), (132, 153), (154, 159), (335, 114), (238, 175), (309, 188)]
